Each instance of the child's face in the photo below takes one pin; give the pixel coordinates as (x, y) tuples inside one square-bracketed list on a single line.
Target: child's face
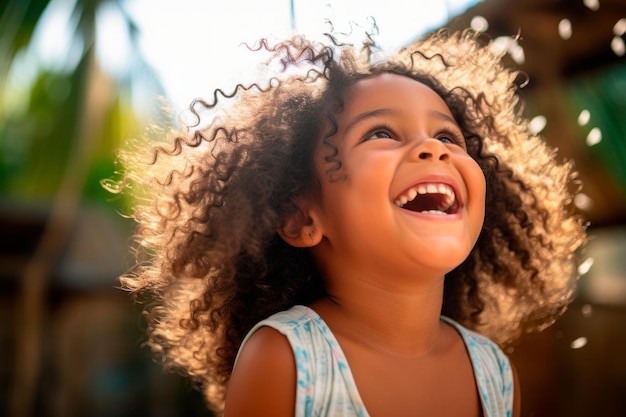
[(412, 198)]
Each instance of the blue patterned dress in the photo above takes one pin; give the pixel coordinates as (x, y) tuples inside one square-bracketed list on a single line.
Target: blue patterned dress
[(326, 386)]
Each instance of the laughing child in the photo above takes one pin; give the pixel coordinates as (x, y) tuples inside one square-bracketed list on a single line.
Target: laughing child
[(355, 235)]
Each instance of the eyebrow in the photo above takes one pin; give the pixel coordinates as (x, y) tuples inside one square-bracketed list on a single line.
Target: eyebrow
[(443, 116), (366, 115), (378, 112)]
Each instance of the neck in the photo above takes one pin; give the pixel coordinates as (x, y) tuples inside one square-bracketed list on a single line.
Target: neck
[(403, 320)]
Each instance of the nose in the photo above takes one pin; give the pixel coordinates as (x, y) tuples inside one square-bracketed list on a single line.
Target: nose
[(432, 150)]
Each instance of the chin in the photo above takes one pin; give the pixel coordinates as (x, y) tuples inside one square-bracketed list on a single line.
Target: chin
[(442, 258)]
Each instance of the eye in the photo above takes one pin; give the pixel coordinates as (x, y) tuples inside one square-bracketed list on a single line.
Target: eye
[(379, 132), (446, 139), (451, 137)]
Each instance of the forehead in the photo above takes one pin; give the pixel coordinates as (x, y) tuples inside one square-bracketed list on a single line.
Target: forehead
[(393, 91)]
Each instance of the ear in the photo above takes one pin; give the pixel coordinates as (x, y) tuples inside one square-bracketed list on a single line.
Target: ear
[(303, 229)]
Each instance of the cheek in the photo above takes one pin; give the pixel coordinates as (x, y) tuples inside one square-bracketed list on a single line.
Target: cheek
[(373, 166), (476, 186), (474, 179), (479, 196)]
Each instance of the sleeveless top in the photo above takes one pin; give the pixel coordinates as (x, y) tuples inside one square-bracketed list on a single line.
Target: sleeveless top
[(326, 387)]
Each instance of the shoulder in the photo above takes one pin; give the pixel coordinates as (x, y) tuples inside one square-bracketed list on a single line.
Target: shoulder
[(264, 378), (263, 381)]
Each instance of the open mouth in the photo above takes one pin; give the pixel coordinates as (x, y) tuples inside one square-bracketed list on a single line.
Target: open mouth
[(431, 198)]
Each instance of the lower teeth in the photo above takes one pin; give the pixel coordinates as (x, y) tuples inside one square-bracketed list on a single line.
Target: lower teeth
[(433, 212)]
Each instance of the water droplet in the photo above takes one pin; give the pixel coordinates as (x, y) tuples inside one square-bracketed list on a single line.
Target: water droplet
[(537, 124), (587, 310), (565, 29), (592, 4), (618, 46), (584, 117), (584, 267), (579, 343), (594, 137), (583, 201), (620, 27), (479, 24)]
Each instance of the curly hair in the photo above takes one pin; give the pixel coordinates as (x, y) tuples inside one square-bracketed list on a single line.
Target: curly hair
[(211, 198)]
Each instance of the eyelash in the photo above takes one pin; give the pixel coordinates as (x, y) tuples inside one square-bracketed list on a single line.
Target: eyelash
[(380, 128), (454, 137)]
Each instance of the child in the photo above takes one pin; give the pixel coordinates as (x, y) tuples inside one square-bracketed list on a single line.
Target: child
[(324, 243)]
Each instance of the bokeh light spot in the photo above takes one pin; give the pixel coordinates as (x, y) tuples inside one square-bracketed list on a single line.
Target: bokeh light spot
[(584, 267), (620, 27), (479, 24), (584, 117), (594, 137), (537, 124), (565, 29), (583, 201), (618, 46), (579, 343)]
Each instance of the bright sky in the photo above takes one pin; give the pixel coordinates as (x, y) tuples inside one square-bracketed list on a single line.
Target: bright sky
[(195, 45)]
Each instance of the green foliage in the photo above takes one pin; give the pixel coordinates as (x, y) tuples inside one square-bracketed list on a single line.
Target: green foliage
[(62, 114), (18, 20), (35, 143), (604, 95)]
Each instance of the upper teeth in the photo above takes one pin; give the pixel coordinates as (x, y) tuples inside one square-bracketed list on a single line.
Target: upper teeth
[(442, 189)]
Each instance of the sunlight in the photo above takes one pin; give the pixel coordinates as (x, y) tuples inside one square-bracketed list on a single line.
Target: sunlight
[(112, 41), (195, 46), (52, 40)]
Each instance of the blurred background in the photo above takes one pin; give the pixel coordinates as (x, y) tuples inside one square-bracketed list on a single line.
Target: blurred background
[(79, 77)]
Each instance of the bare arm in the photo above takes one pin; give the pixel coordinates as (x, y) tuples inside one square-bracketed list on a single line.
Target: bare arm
[(263, 382)]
